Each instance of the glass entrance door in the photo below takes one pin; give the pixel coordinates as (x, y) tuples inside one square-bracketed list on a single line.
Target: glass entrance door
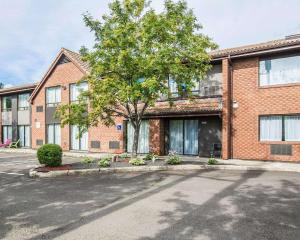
[(184, 136)]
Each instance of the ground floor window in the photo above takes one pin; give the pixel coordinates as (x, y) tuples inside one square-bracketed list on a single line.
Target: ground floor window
[(6, 133), (78, 143), (53, 133), (24, 135), (183, 136), (280, 128), (143, 146)]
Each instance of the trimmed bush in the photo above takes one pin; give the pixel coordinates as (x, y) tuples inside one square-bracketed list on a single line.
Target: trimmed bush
[(50, 155)]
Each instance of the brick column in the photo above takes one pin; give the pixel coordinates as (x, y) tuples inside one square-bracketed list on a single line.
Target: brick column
[(156, 136), (226, 110), (65, 131)]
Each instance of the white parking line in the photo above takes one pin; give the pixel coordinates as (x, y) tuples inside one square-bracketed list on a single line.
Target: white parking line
[(8, 173)]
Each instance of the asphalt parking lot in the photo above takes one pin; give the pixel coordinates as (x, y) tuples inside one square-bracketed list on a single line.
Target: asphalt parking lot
[(163, 205)]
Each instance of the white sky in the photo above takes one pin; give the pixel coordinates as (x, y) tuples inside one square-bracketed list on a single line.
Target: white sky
[(33, 31)]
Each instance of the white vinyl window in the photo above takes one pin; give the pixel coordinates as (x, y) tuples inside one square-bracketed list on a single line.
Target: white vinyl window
[(53, 133), (292, 128), (280, 128), (271, 128), (284, 70), (78, 143), (6, 104), (53, 96), (76, 89), (23, 103)]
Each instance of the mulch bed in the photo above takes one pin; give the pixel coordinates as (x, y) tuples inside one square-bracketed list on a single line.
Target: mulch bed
[(60, 168), (94, 165)]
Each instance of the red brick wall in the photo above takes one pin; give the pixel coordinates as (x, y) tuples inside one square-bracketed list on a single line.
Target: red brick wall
[(156, 136), (253, 101), (62, 75), (106, 134)]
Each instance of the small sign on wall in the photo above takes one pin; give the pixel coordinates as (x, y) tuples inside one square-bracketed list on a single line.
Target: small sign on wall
[(37, 124), (119, 127)]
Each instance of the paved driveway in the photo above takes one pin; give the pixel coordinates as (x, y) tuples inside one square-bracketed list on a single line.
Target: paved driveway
[(166, 205)]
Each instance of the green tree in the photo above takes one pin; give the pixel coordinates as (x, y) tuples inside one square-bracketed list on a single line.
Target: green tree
[(136, 50)]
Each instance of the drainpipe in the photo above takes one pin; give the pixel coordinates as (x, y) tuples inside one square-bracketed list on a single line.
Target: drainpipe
[(230, 109)]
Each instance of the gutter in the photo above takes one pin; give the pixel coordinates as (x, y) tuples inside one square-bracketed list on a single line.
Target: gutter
[(256, 53)]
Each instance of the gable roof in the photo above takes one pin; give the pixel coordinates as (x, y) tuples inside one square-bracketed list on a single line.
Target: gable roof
[(279, 44), (74, 57)]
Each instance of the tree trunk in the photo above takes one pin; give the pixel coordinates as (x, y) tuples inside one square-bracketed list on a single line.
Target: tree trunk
[(135, 144)]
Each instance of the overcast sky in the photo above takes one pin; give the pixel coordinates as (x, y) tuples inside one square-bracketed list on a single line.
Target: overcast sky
[(33, 31)]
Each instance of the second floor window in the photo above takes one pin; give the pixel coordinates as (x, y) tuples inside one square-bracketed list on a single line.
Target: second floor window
[(284, 70), (211, 85), (53, 96), (23, 103), (6, 104), (76, 89)]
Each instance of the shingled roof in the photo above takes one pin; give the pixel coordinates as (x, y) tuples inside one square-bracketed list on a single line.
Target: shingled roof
[(289, 41), (76, 57)]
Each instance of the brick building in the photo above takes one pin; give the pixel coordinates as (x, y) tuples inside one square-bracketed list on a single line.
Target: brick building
[(247, 107)]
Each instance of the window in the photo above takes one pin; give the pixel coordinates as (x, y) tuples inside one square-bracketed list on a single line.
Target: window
[(78, 143), (53, 133), (76, 89), (24, 135), (23, 103), (271, 128), (173, 87), (292, 128), (6, 133), (53, 96), (280, 128), (6, 104), (211, 85), (284, 70)]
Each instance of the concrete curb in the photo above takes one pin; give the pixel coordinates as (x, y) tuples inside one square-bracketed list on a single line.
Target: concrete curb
[(34, 173)]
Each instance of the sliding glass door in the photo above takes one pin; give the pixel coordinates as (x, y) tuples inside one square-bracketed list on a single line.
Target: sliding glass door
[(53, 133), (183, 136), (24, 135), (78, 143), (176, 136), (143, 146)]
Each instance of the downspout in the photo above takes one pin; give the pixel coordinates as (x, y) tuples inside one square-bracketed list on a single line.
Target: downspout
[(230, 109)]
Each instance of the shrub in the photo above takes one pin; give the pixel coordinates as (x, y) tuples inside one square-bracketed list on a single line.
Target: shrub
[(87, 160), (150, 156), (173, 159), (104, 162), (50, 155), (137, 162), (212, 161)]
